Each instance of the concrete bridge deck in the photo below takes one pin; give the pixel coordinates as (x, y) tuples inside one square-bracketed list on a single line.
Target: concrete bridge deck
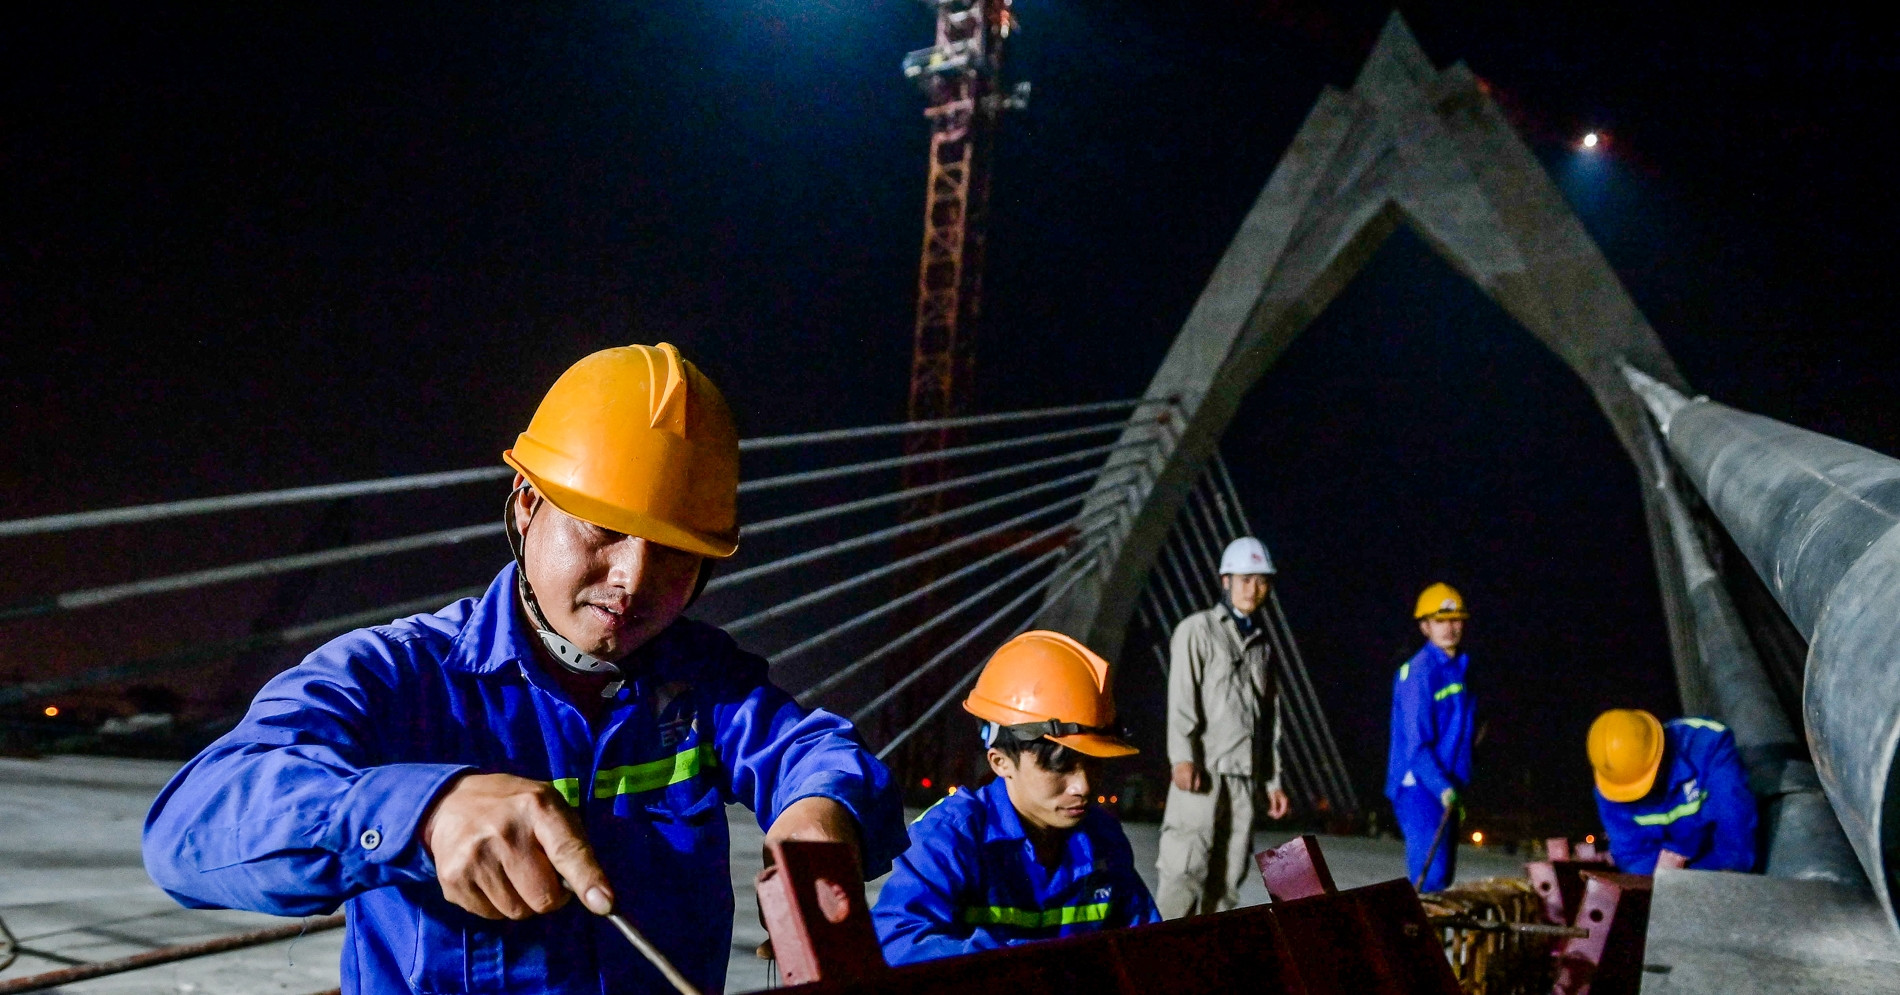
[(73, 887)]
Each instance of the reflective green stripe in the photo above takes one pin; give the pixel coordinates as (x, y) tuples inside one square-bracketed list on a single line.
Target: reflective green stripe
[(933, 805), (997, 915), (655, 774), (1690, 807), (1709, 724), (570, 789), (1447, 691), (1405, 670)]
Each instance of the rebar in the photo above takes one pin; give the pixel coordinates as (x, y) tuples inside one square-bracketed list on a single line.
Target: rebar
[(167, 955)]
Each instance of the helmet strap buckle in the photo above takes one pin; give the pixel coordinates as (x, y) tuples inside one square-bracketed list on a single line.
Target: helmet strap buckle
[(570, 656)]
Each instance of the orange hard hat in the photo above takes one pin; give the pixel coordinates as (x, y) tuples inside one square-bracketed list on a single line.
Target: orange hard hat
[(1044, 685), (637, 440), (1626, 750)]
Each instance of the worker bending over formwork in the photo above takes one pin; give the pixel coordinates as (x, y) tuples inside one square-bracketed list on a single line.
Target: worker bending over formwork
[(1672, 794), (1028, 856), (455, 778)]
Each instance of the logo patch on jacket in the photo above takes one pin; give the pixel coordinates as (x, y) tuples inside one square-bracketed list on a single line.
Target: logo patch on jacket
[(674, 713)]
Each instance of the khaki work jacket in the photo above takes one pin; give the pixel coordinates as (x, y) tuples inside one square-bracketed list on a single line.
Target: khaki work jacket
[(1223, 705)]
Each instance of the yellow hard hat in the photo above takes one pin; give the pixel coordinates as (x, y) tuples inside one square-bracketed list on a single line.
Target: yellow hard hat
[(1044, 685), (1441, 601), (637, 440), (1626, 748)]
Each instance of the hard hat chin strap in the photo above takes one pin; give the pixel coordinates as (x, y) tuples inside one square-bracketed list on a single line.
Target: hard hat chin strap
[(570, 656)]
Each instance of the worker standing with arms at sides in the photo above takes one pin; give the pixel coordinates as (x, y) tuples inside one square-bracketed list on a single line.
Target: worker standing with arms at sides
[(1430, 760), (1672, 794), (1223, 740), (1029, 856), (455, 778)]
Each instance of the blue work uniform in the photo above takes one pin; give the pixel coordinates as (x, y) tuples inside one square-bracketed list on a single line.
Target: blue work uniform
[(1699, 807), (315, 798), (1432, 714), (971, 881)]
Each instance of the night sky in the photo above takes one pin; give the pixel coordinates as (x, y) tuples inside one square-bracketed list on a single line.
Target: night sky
[(259, 246)]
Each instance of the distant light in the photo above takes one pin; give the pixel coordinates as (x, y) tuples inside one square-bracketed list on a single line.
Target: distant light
[(1477, 839), (925, 783), (1101, 799), (1591, 839), (1590, 140), (953, 789), (52, 710), (1112, 799)]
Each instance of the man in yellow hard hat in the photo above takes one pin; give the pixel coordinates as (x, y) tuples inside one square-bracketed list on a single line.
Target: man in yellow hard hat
[(1029, 856), (1430, 759), (1223, 740), (1671, 794), (455, 778)]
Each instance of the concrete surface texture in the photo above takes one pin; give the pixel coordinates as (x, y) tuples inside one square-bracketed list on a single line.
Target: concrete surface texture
[(1714, 932), (73, 887)]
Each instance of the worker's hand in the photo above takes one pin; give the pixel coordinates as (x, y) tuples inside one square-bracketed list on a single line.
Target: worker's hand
[(503, 845), (818, 819), (1188, 776), (1671, 859), (1277, 804)]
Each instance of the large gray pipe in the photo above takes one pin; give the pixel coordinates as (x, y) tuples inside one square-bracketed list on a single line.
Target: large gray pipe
[(1805, 841), (1817, 518)]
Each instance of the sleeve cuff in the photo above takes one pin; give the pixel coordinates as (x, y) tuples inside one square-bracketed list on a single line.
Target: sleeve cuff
[(377, 825)]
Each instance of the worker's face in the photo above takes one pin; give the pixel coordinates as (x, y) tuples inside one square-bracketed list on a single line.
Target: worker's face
[(606, 592), (1444, 633), (1042, 797), (1246, 592)]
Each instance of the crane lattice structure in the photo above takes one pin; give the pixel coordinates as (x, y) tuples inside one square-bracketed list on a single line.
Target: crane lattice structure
[(960, 76)]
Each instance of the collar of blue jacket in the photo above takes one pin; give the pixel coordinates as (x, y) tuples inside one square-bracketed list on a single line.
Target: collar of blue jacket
[(316, 797)]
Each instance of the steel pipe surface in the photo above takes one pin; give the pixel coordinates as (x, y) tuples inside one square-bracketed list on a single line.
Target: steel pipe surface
[(1816, 517)]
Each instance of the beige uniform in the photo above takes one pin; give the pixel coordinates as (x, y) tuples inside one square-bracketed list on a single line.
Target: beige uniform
[(1224, 714)]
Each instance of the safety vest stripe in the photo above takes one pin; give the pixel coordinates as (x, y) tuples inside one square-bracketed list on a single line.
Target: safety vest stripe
[(998, 915), (654, 774), (570, 789), (932, 808), (1405, 670), (1709, 724), (1447, 691), (1690, 807)]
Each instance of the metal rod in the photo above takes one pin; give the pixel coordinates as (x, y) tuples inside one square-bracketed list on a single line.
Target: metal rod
[(850, 469), (652, 954), (94, 597), (896, 531), (806, 600), (966, 421), (167, 955), (917, 594), (870, 708), (970, 678), (218, 651), (832, 511)]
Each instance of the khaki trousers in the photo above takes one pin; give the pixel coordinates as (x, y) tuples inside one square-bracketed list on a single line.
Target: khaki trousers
[(1206, 847)]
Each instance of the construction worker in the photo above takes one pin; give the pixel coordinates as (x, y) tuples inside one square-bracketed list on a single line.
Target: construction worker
[(454, 778), (1700, 815), (1430, 760), (1029, 856), (1223, 740)]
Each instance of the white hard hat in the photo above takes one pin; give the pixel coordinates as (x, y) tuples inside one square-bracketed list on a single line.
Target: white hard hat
[(1246, 555)]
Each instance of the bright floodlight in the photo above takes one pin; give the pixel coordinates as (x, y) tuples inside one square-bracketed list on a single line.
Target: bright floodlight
[(1590, 140)]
